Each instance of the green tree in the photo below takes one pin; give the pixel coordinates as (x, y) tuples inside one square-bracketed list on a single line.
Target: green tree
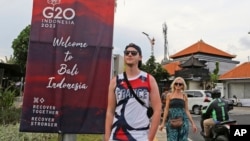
[(150, 65), (214, 76), (155, 69), (20, 47)]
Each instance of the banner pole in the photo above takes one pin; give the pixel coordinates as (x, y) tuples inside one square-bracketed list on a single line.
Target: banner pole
[(66, 137), (59, 137)]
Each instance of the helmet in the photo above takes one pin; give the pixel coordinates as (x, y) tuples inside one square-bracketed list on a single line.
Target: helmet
[(216, 93)]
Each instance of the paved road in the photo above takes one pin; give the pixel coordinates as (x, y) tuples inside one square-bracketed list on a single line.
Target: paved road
[(240, 111)]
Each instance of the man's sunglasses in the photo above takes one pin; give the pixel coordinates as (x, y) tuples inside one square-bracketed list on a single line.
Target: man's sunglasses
[(178, 84), (134, 53)]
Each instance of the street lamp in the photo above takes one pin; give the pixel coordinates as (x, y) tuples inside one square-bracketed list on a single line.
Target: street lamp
[(152, 42)]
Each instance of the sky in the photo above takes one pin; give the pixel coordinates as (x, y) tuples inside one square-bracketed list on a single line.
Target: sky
[(223, 24)]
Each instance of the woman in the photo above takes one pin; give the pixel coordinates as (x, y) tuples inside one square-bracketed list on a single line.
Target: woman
[(177, 106)]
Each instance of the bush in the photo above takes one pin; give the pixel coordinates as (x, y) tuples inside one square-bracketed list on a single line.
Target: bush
[(7, 97), (10, 116), (11, 133)]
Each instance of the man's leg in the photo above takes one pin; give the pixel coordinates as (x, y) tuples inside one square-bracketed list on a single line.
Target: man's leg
[(208, 123), (201, 122), (202, 126)]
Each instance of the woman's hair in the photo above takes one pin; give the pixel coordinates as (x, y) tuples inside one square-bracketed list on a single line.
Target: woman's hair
[(183, 81)]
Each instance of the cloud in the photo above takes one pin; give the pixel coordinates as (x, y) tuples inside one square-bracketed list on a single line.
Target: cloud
[(221, 23), (245, 42)]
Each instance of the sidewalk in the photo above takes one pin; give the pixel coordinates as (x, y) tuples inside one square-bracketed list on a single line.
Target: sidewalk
[(161, 135)]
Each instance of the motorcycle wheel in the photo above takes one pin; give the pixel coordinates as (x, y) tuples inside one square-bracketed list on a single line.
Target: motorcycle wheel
[(222, 138), (197, 110), (239, 104)]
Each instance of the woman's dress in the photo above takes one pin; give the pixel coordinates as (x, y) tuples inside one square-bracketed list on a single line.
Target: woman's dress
[(177, 109)]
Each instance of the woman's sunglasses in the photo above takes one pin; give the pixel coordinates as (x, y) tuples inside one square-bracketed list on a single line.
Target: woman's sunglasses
[(134, 53), (178, 84)]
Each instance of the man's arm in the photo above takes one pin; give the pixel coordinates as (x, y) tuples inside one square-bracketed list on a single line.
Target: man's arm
[(156, 105), (209, 109)]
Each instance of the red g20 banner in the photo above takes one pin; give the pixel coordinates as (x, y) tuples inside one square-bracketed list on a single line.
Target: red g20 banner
[(68, 67)]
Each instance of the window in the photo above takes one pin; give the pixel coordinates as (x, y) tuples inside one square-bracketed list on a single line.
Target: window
[(208, 94), (198, 94), (190, 94)]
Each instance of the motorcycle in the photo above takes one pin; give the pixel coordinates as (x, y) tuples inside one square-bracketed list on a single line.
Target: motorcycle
[(236, 101), (220, 131)]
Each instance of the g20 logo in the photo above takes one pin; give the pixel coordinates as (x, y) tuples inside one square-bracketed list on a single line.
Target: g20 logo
[(59, 13)]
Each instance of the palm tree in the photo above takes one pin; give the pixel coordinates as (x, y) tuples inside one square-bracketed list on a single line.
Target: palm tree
[(10, 60)]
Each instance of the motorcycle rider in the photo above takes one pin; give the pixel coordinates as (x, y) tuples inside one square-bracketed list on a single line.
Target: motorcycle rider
[(216, 112)]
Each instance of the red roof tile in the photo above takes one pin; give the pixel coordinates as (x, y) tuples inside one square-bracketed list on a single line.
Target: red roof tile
[(202, 47), (239, 72), (172, 67)]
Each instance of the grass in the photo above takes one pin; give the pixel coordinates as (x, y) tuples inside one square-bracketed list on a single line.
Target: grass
[(11, 133), (87, 137)]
